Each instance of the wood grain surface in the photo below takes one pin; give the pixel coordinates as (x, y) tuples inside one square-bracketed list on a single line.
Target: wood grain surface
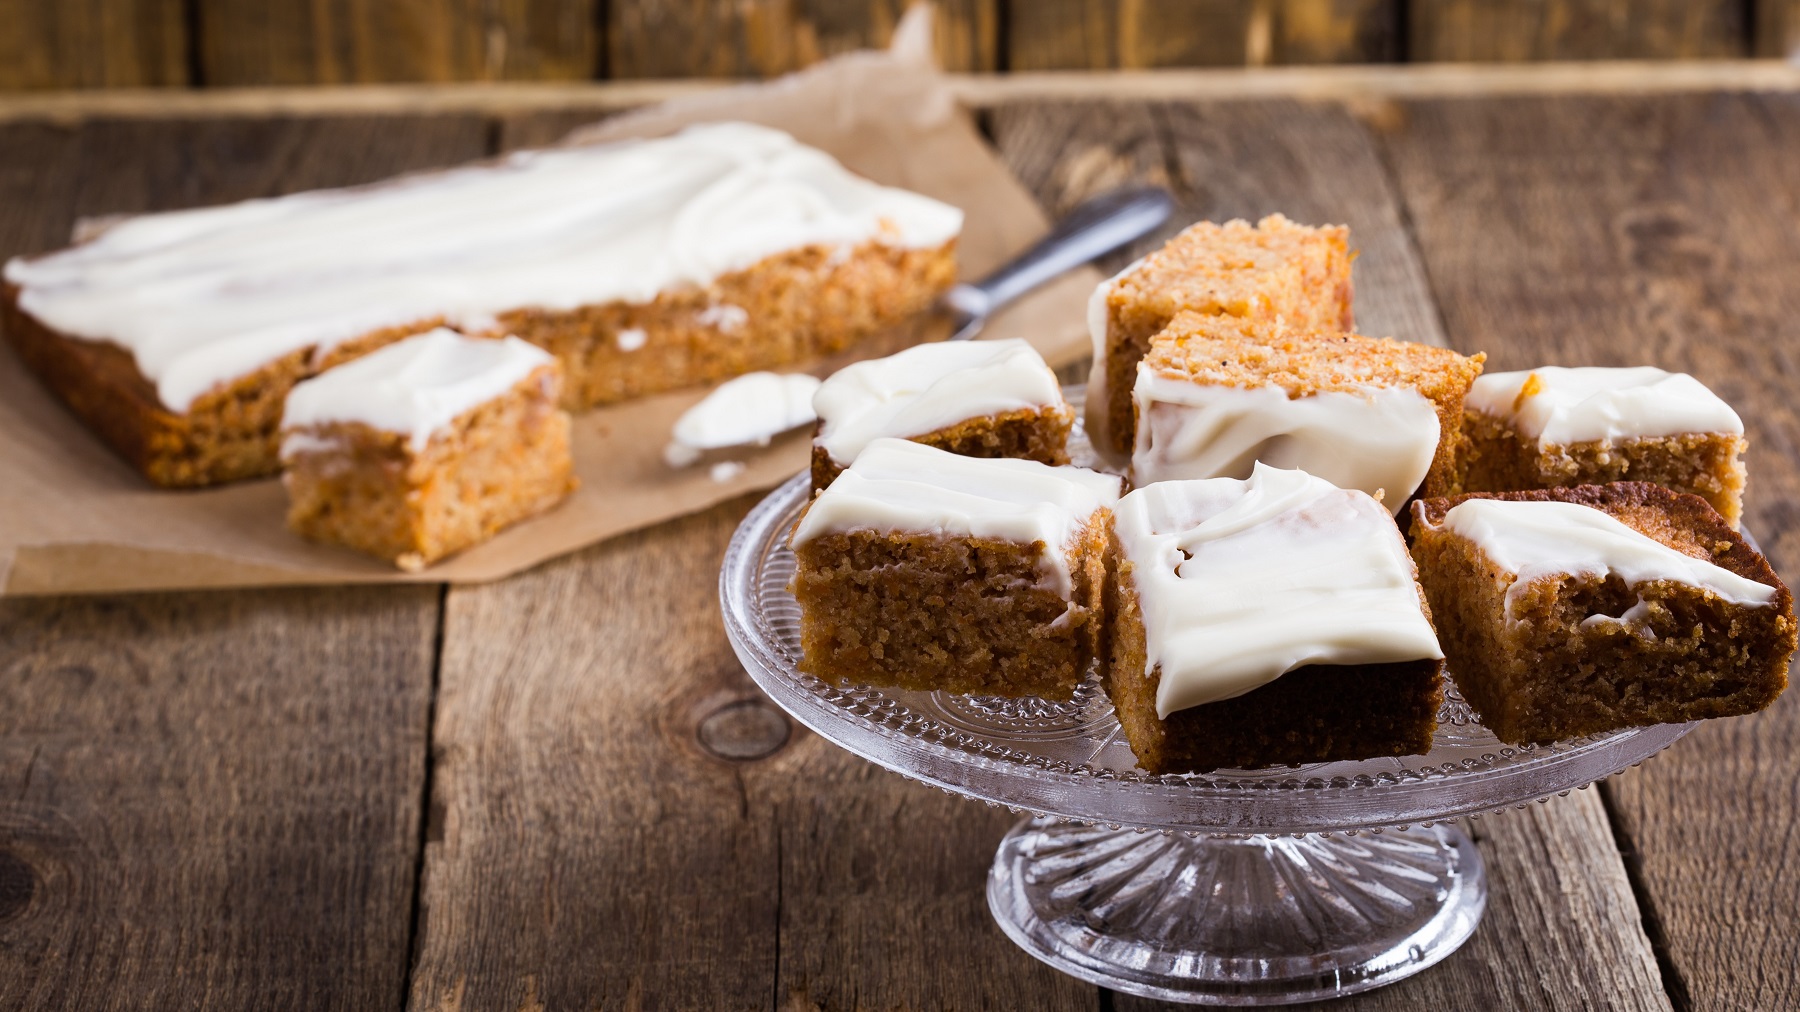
[(93, 44), (221, 800), (1514, 30), (1777, 24), (656, 38), (1139, 34), (1629, 231), (214, 43), (211, 800), (346, 41)]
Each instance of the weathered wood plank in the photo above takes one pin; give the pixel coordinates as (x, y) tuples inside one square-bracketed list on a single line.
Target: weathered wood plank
[(705, 38), (212, 800), (1464, 30), (1777, 25), (92, 44), (666, 836), (344, 41), (1137, 34), (1617, 231)]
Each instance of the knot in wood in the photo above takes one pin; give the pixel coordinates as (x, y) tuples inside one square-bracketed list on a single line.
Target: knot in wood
[(18, 883), (744, 731)]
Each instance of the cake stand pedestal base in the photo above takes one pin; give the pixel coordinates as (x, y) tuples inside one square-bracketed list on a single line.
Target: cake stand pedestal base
[(1236, 920)]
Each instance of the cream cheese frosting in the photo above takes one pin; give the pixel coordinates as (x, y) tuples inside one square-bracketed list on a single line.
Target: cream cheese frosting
[(927, 388), (413, 387), (900, 486), (1098, 420), (750, 410), (1557, 405), (1530, 541), (1377, 439), (1242, 581), (206, 296)]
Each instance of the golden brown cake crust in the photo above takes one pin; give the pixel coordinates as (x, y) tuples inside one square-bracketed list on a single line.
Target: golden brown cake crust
[(230, 432), (1274, 269), (930, 612), (1228, 351), (494, 465), (1318, 713), (1497, 457), (1028, 433), (795, 306), (1547, 673)]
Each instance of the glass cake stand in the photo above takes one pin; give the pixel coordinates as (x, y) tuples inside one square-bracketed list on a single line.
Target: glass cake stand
[(1239, 887)]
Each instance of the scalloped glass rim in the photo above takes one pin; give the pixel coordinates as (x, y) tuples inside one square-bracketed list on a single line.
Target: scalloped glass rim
[(1034, 762)]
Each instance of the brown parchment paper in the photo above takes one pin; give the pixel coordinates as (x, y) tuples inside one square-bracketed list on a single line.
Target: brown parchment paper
[(74, 519)]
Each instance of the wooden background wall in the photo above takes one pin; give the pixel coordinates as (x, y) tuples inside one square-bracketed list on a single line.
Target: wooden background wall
[(216, 43)]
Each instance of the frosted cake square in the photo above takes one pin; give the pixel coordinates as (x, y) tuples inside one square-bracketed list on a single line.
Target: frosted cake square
[(975, 398), (1216, 394), (643, 265), (923, 569), (1273, 269), (1568, 612), (426, 447), (1270, 621), (1557, 427)]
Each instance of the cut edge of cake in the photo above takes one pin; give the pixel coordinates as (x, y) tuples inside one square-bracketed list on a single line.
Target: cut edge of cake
[(1567, 692)]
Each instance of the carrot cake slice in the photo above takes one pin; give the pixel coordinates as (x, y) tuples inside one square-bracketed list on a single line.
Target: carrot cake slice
[(426, 447), (976, 398), (1575, 611), (642, 265), (1270, 621), (924, 569), (1273, 269), (1216, 394), (1558, 427)]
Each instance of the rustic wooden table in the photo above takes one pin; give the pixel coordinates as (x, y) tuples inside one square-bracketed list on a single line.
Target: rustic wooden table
[(560, 791)]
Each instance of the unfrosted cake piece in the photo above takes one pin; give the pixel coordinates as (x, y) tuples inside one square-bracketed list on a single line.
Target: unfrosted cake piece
[(1568, 612), (426, 447), (643, 265), (976, 398), (1556, 427), (1273, 269), (923, 569), (1216, 394), (1269, 621)]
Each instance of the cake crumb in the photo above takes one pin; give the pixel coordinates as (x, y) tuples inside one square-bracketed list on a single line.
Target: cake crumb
[(631, 339), (725, 470)]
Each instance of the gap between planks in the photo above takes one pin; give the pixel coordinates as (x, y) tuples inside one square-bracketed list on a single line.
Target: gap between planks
[(1350, 84)]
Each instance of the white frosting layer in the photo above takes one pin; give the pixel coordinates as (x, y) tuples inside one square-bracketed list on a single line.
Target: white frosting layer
[(206, 296), (897, 485), (1098, 420), (927, 388), (1592, 404), (414, 387), (1377, 439), (1534, 540), (1240, 582), (750, 410)]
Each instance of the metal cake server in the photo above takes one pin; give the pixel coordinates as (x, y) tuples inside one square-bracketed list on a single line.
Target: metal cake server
[(1088, 233)]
